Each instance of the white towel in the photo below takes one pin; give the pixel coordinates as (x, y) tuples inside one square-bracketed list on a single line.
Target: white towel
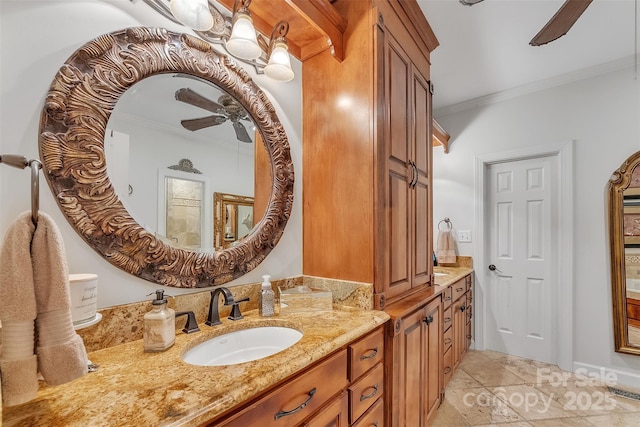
[(34, 285), (445, 248)]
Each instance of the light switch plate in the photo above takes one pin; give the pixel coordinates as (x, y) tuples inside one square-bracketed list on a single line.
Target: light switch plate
[(464, 236)]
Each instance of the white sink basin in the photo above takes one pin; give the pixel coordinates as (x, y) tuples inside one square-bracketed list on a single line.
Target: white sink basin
[(242, 346), (440, 274)]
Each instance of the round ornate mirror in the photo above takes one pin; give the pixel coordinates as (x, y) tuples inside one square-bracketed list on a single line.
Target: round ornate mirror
[(71, 141)]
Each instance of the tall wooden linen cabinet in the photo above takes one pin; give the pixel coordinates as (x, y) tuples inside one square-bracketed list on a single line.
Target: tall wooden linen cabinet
[(367, 214)]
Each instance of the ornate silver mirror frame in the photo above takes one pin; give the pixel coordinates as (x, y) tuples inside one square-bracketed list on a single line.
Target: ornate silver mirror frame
[(71, 142)]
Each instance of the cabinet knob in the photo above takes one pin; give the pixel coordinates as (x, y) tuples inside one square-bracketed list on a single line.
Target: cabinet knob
[(428, 320)]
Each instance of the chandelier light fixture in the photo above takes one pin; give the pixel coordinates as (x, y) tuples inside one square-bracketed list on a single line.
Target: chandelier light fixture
[(236, 34)]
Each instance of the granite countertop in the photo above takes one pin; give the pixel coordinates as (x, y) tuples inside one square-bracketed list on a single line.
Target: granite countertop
[(134, 388), (452, 275)]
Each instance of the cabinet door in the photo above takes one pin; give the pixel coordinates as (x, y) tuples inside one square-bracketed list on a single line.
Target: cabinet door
[(411, 368), (459, 326), (407, 153), (432, 356), (417, 367), (399, 171), (421, 239)]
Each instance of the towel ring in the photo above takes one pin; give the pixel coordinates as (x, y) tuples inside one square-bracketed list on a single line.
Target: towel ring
[(446, 221), (21, 162)]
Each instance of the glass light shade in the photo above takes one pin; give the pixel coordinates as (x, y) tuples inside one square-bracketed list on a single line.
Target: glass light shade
[(243, 42), (192, 13), (279, 66)]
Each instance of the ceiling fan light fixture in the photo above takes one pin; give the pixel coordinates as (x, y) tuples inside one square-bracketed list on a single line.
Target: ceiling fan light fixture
[(243, 41), (192, 13), (279, 66)]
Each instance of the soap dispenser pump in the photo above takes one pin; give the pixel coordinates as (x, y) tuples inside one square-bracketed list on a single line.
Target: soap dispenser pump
[(267, 298), (159, 325)]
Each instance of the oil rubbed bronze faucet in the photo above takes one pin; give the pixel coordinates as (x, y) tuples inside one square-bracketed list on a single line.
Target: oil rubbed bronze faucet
[(214, 315)]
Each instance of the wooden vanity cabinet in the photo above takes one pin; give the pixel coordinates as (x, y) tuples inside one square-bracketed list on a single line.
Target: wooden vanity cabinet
[(367, 152), (342, 389), (414, 367), (458, 326)]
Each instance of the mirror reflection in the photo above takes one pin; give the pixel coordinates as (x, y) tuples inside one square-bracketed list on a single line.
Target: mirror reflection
[(624, 216), (232, 217), (168, 117), (631, 202)]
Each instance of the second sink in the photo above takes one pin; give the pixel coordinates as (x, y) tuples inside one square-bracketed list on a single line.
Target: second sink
[(242, 346)]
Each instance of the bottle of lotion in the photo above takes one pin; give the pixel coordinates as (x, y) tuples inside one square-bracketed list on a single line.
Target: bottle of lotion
[(267, 301), (159, 325)]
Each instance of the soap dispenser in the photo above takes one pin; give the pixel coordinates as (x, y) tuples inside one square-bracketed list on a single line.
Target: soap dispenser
[(159, 325), (267, 301)]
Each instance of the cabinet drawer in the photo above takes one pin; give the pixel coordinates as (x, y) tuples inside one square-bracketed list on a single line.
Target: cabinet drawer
[(365, 392), (334, 414), (284, 405), (374, 417), (458, 289), (448, 366), (447, 339), (365, 353), (446, 298), (446, 319)]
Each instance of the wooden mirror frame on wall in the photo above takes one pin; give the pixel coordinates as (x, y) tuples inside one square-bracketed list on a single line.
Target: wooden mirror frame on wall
[(220, 203), (627, 176), (71, 143)]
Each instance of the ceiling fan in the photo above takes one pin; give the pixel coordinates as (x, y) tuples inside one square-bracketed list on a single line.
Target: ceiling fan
[(225, 109), (558, 25)]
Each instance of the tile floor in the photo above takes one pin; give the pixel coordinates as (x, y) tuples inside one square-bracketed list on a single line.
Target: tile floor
[(495, 389)]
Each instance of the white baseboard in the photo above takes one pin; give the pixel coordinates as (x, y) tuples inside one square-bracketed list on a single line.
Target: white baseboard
[(619, 377)]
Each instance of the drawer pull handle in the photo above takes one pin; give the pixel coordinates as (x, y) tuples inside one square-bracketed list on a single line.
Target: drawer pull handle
[(468, 337), (374, 352), (459, 289), (447, 341), (447, 370), (447, 298), (447, 319), (299, 408), (369, 396)]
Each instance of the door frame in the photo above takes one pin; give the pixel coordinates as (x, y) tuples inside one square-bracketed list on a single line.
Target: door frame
[(563, 152)]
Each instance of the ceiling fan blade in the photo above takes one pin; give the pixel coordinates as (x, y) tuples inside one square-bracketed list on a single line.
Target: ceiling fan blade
[(189, 96), (561, 22), (241, 132), (202, 122), (470, 2)]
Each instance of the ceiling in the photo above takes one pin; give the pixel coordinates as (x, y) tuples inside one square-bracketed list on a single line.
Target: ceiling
[(484, 49)]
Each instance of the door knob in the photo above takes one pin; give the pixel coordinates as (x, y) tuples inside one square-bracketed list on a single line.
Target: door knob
[(494, 268)]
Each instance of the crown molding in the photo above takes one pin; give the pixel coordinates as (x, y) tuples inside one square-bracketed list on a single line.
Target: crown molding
[(536, 86)]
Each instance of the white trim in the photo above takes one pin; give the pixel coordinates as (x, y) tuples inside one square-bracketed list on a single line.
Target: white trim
[(564, 154), (615, 376), (533, 87)]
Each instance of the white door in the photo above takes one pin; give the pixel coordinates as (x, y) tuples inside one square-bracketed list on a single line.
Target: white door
[(522, 213)]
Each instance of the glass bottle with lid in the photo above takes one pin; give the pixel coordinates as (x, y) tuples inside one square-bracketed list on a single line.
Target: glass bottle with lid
[(159, 325)]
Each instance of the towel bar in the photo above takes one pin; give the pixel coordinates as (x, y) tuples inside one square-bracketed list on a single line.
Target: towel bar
[(446, 221), (21, 162)]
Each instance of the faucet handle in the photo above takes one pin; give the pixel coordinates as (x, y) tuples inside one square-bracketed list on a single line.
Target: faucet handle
[(191, 325), (235, 310)]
